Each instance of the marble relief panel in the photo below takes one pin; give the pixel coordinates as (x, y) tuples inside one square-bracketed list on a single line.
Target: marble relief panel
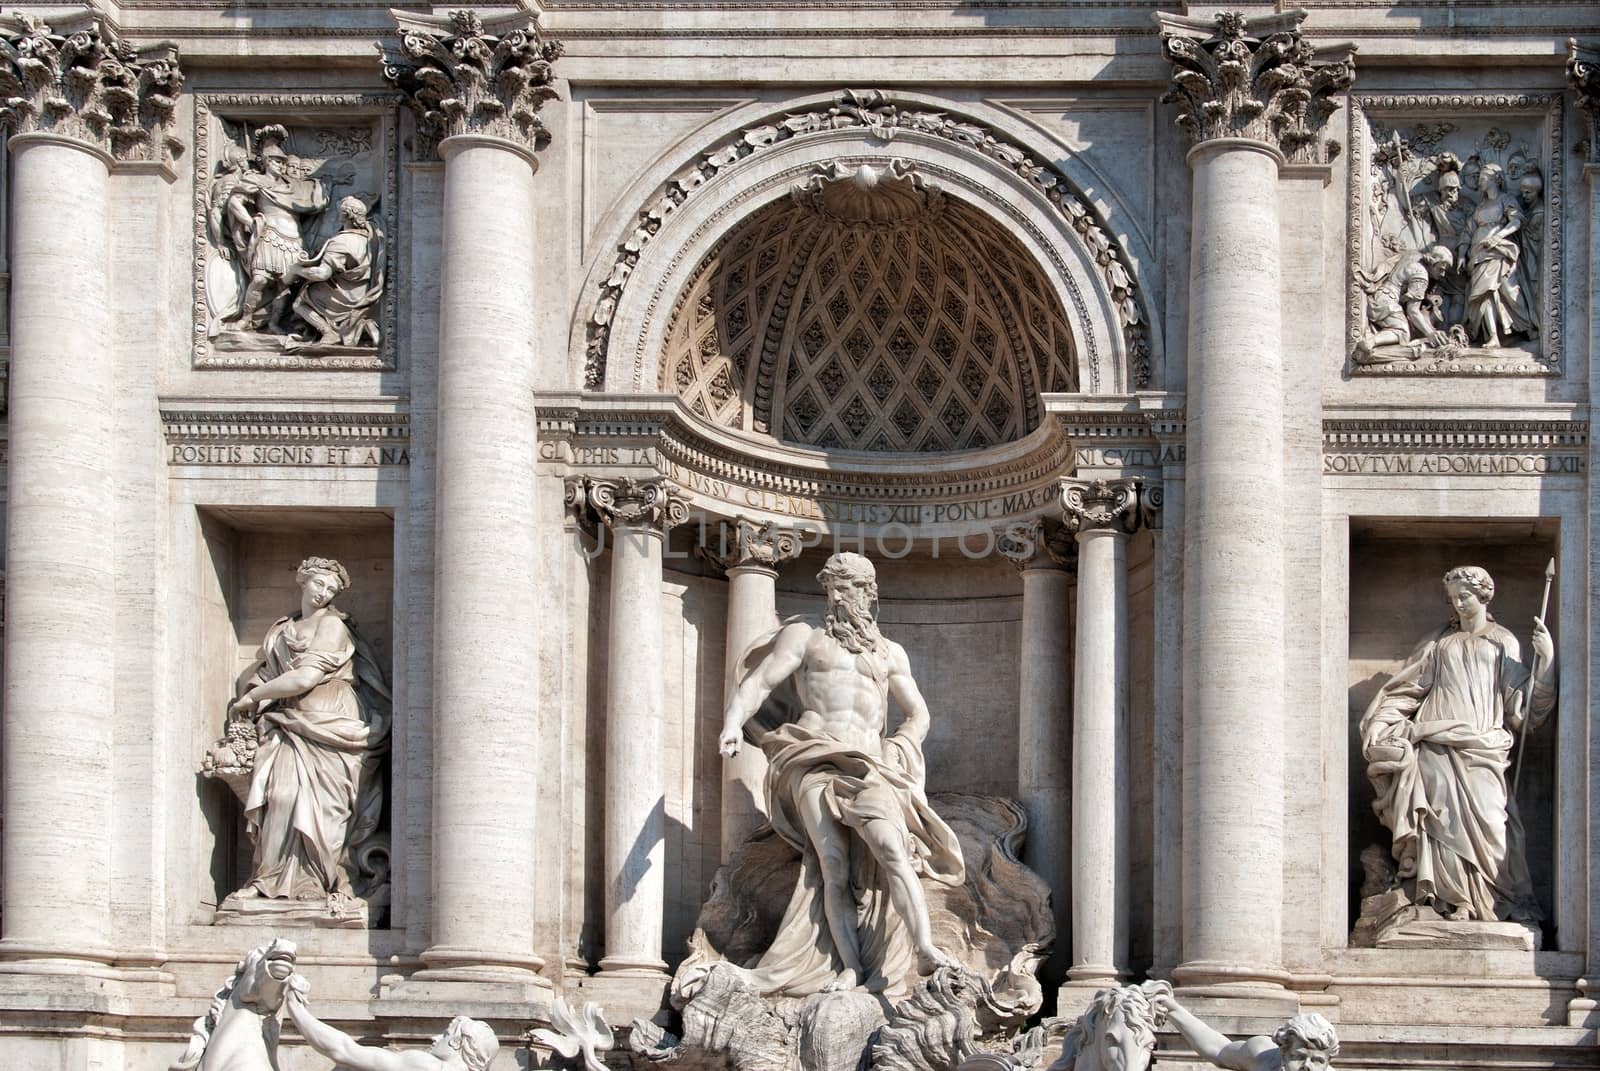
[(295, 214), (1455, 235)]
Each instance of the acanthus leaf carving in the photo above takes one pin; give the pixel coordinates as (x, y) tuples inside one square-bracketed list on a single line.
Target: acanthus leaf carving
[(86, 83), (874, 112), (1254, 78), (462, 75)]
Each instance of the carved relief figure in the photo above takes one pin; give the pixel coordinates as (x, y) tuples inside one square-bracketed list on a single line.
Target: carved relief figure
[(465, 1045), (847, 794), (1404, 308), (1454, 272), (1306, 1042), (1437, 739), (304, 746), (265, 211), (239, 1031), (344, 281), (1530, 199), (1493, 300)]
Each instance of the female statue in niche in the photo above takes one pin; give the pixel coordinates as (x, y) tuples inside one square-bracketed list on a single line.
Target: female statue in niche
[(1437, 739), (1492, 249), (320, 710)]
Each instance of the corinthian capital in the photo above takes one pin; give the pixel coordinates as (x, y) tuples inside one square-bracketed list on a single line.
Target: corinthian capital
[(81, 81), (1253, 78), (628, 503), (464, 75), (1102, 505), (1583, 73)]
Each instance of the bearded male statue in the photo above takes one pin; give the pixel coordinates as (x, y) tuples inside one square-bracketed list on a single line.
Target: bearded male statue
[(846, 793)]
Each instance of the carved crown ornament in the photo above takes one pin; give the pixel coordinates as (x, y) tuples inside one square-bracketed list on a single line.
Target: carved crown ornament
[(1120, 505), (1039, 543), (82, 81), (1255, 78), (746, 543), (874, 112), (625, 502), (462, 74)]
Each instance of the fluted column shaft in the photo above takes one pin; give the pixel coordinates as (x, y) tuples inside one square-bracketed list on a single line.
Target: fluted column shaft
[(635, 814), (1043, 746), (752, 612), (752, 565), (1103, 513), (485, 759), (1233, 573), (60, 555), (637, 515), (1251, 93)]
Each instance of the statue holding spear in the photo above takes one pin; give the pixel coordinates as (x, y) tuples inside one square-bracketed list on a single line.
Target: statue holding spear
[(1437, 739)]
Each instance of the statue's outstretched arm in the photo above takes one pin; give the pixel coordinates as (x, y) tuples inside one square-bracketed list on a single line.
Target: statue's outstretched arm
[(342, 1049)]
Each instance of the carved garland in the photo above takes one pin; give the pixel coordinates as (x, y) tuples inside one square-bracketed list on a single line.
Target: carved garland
[(260, 107), (1445, 104), (873, 112)]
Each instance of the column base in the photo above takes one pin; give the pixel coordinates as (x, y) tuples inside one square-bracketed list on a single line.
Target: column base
[(633, 967), (483, 992), (625, 995), (1227, 988), (497, 985), (1083, 981)]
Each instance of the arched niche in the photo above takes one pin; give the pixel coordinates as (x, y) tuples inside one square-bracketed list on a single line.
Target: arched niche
[(1092, 272)]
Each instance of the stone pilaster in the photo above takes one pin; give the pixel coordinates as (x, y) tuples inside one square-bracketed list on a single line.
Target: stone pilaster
[(475, 88), (752, 564), (1046, 557), (1102, 513), (1252, 94), (637, 514), (76, 99)]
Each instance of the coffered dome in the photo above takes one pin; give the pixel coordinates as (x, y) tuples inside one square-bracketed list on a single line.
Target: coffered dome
[(870, 312)]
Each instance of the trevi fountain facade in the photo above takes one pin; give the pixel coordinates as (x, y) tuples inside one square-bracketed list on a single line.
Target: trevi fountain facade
[(799, 536)]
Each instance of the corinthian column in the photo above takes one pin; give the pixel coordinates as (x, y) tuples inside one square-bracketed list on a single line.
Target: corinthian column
[(638, 514), (752, 566), (1251, 97), (75, 99), (1103, 513), (1045, 557), (475, 89)]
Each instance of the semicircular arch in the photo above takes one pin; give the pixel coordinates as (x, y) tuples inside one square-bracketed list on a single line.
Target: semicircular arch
[(619, 327)]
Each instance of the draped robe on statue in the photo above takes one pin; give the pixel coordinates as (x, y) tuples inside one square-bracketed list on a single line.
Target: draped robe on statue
[(857, 787), (314, 793), (1437, 745)]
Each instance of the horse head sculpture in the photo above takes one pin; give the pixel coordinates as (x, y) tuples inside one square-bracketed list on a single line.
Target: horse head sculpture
[(1116, 1033), (239, 1031)]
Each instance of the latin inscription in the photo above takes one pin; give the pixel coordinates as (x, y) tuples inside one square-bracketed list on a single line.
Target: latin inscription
[(289, 455), (1451, 464)]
